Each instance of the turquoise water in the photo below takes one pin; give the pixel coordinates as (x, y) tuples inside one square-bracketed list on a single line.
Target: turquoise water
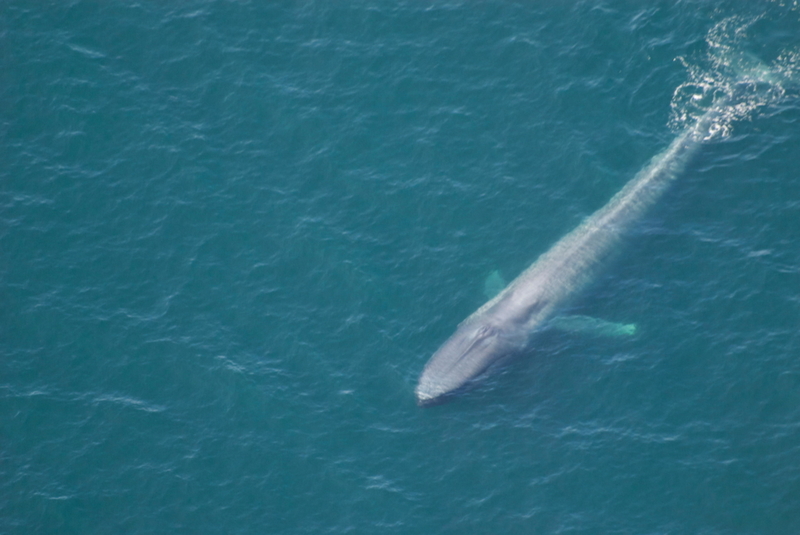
[(233, 233)]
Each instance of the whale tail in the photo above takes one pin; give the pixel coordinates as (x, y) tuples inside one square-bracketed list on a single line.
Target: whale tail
[(733, 82), (730, 46), (749, 68)]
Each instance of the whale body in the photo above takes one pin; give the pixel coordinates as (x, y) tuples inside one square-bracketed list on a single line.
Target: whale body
[(504, 325)]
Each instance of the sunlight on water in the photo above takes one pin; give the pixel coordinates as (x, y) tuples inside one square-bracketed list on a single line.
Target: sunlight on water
[(735, 75)]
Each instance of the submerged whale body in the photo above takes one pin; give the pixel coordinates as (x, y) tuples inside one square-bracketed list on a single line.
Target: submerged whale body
[(502, 326)]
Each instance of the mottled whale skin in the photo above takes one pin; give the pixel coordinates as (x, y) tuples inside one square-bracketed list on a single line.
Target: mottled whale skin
[(503, 326)]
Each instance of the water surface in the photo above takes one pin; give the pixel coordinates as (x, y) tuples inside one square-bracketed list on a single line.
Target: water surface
[(233, 234)]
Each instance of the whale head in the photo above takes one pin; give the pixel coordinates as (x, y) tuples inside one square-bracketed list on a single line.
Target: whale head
[(466, 355)]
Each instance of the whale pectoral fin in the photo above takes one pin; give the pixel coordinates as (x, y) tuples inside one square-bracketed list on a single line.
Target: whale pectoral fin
[(593, 326), (494, 284)]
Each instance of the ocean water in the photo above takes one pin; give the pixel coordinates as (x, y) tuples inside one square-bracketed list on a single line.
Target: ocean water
[(233, 233)]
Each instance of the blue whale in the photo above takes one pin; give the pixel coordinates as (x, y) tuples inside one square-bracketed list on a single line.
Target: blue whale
[(504, 325)]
